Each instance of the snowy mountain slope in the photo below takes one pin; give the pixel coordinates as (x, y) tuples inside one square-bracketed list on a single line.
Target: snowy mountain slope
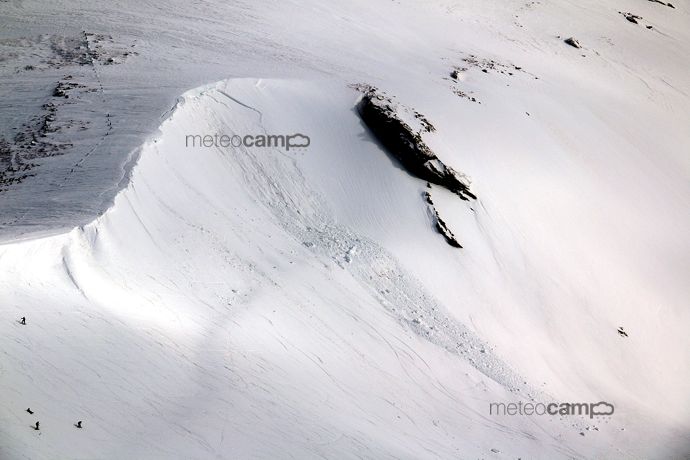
[(216, 299), (261, 303), (135, 58), (277, 346)]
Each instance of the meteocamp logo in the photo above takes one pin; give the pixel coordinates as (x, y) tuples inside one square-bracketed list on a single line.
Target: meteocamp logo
[(601, 408), (275, 141)]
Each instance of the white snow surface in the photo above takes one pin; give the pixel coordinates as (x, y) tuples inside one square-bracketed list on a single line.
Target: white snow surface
[(258, 303)]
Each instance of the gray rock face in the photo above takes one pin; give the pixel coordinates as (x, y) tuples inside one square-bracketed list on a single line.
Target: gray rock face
[(670, 5), (379, 114), (573, 42), (441, 225)]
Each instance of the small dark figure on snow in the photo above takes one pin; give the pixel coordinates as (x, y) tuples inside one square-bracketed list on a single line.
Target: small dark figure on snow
[(23, 320), (38, 426), (29, 410), (621, 332), (78, 425)]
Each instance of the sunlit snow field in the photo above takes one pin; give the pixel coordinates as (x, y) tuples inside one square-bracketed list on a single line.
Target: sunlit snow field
[(247, 302)]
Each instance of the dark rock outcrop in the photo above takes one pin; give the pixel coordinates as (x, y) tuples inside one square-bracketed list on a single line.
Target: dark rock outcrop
[(573, 42), (634, 18), (440, 224), (670, 5), (379, 114)]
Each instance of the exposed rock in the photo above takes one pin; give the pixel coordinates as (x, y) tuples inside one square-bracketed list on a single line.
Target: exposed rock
[(426, 124), (57, 51), (573, 42), (379, 114), (631, 17), (44, 135), (440, 224), (663, 3), (486, 65), (461, 93), (62, 89)]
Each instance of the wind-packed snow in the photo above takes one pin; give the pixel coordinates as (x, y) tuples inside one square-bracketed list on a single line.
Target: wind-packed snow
[(248, 302)]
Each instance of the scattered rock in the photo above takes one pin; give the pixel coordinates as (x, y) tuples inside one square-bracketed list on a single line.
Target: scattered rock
[(635, 19), (486, 65), (62, 89), (631, 17), (426, 124), (43, 135)]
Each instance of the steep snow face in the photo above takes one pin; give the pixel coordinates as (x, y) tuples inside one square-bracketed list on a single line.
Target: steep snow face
[(252, 302), (229, 313)]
